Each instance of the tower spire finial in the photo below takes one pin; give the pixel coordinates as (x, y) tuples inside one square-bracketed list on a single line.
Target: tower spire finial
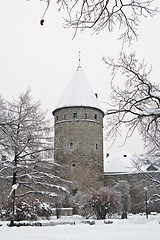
[(79, 60)]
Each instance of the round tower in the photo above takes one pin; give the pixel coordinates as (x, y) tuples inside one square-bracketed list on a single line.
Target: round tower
[(78, 134)]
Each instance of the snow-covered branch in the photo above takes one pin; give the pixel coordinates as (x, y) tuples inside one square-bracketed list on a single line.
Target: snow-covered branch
[(120, 15), (135, 102), (28, 149)]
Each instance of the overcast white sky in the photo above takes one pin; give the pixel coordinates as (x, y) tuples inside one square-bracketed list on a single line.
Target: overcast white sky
[(45, 57)]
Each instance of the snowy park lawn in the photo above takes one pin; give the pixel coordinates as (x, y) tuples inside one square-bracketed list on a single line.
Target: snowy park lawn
[(133, 228)]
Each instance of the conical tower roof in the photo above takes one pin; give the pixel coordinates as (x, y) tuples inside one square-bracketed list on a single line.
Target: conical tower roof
[(78, 93)]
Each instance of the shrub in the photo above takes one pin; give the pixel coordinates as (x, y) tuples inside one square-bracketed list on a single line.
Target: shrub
[(101, 202), (123, 187), (26, 208)]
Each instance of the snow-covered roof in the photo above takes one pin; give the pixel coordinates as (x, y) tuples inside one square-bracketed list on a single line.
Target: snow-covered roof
[(120, 163), (78, 93), (125, 163)]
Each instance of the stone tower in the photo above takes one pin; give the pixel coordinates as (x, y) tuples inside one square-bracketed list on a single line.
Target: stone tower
[(78, 133)]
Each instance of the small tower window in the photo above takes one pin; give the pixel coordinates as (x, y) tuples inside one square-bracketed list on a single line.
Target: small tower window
[(74, 115), (71, 145), (65, 116), (57, 118), (96, 146), (74, 191), (95, 116), (85, 115)]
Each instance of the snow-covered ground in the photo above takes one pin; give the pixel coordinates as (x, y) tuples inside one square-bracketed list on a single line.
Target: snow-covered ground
[(133, 228)]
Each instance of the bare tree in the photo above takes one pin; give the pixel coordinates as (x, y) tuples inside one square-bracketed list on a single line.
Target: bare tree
[(124, 15), (29, 149), (135, 102)]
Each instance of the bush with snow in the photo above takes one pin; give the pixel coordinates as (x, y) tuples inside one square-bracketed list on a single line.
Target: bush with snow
[(27, 208), (101, 202)]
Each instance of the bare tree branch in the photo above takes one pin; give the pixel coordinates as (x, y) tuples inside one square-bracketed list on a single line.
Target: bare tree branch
[(123, 15), (135, 101)]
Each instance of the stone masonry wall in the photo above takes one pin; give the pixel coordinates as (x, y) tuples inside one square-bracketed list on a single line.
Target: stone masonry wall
[(138, 182), (79, 145)]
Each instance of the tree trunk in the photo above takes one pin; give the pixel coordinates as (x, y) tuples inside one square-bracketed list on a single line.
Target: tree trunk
[(13, 200)]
